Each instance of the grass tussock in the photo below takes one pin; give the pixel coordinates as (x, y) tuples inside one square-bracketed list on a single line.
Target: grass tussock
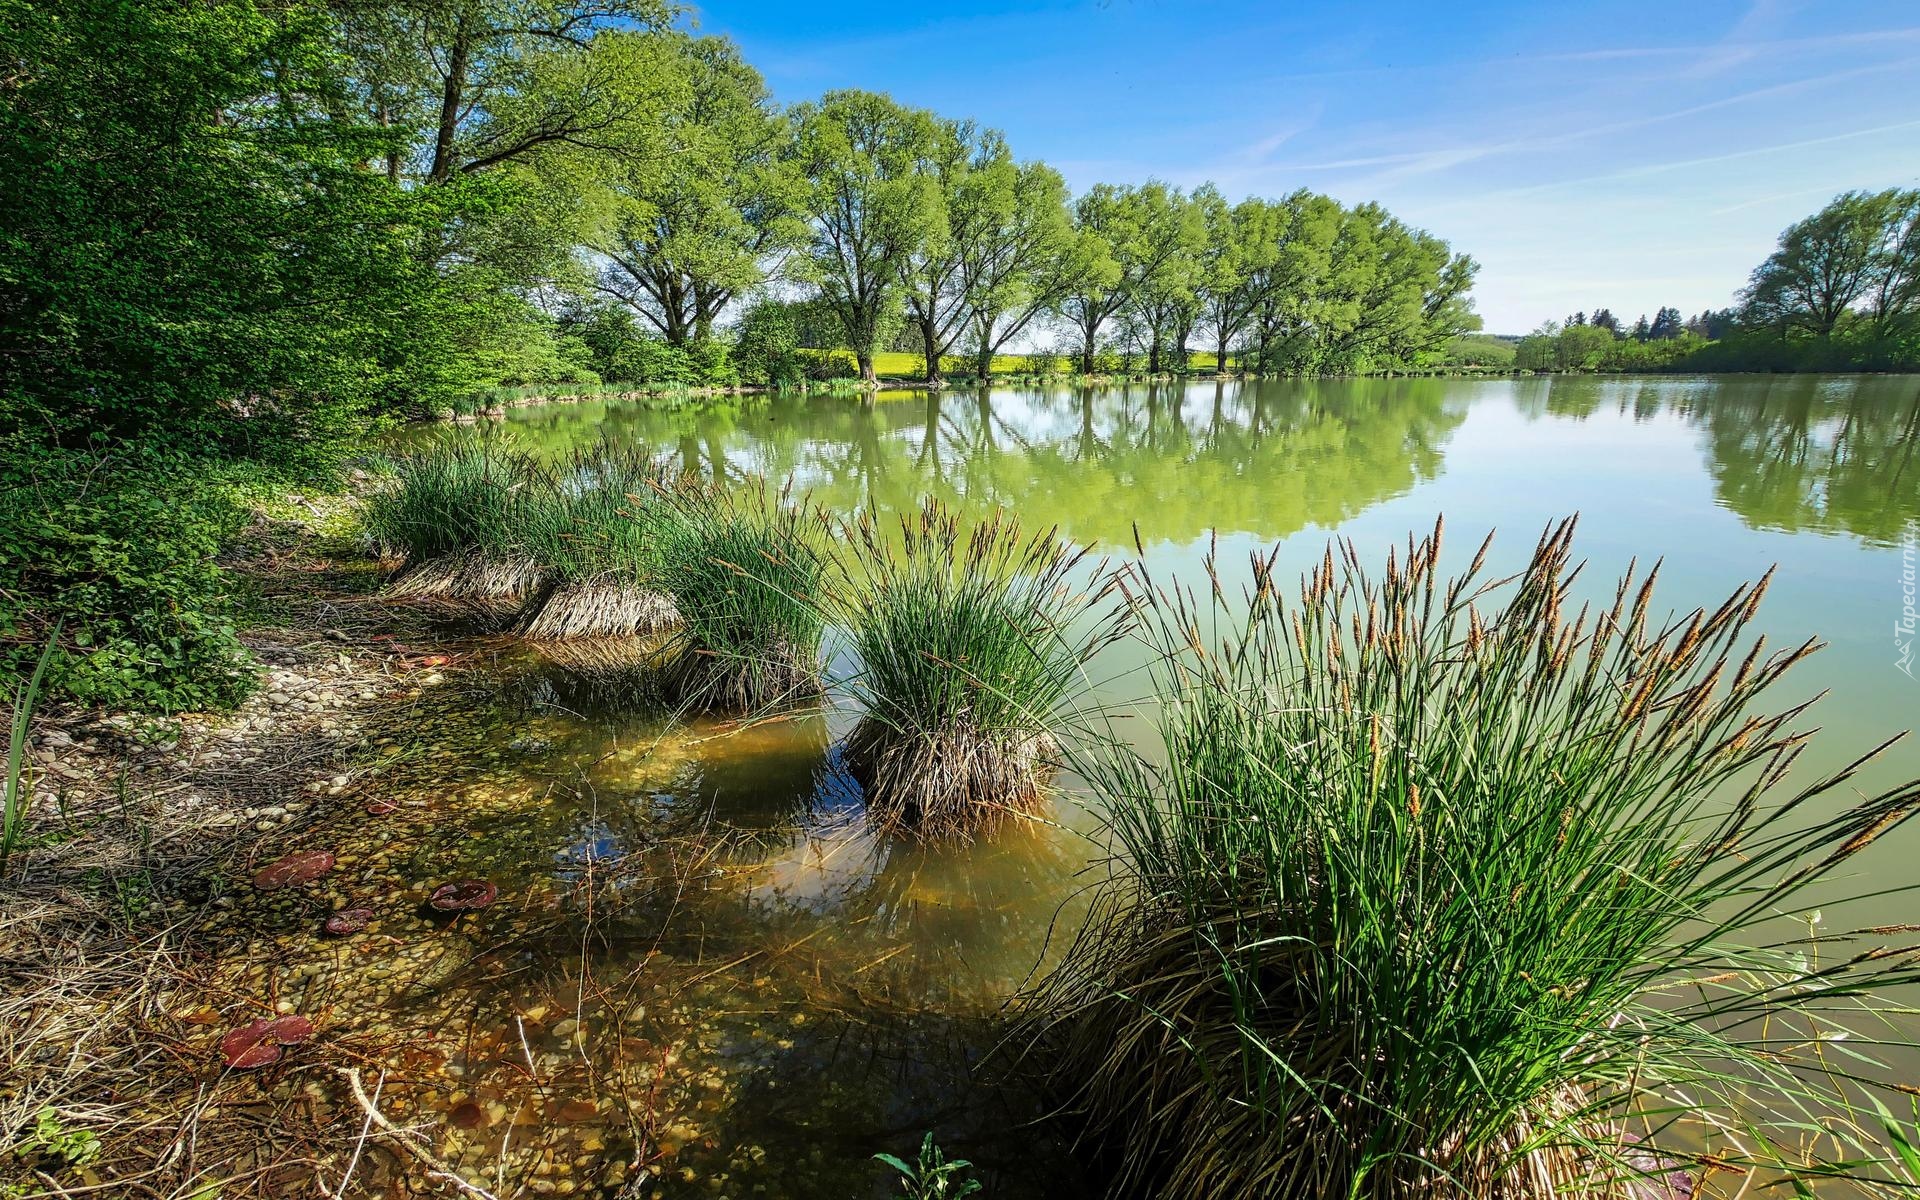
[(458, 514), (747, 572), (968, 644), (1442, 888), (599, 542)]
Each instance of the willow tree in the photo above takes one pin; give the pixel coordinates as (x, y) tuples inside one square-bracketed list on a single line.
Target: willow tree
[(702, 216), (972, 167), (872, 204), (1021, 259), (1137, 240), (1229, 267)]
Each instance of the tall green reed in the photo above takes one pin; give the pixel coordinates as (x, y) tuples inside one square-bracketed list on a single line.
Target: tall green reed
[(968, 643), (598, 541), (1442, 888), (462, 493), (746, 570), (13, 803)]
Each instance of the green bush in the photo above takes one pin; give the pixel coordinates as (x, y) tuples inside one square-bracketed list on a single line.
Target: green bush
[(123, 554)]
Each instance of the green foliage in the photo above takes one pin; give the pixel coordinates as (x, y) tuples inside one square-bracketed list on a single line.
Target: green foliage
[(689, 229), (117, 552), (873, 205), (766, 346), (1443, 879), (933, 1176), (51, 1139)]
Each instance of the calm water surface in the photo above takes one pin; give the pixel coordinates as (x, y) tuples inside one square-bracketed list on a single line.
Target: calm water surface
[(809, 994)]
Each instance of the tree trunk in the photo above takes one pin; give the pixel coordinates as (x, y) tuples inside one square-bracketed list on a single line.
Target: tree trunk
[(1220, 358), (1086, 357), (1153, 356), (450, 96), (983, 364), (929, 340), (867, 375)]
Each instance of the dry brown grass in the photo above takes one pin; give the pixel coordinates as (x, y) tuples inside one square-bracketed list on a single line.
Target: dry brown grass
[(949, 783), (599, 608)]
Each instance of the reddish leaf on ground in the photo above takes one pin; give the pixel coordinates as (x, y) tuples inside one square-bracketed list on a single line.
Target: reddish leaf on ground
[(348, 920), (467, 1115), (302, 866), (380, 808), (465, 894), (258, 1043)]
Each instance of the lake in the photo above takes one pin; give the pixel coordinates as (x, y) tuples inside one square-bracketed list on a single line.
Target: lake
[(808, 994)]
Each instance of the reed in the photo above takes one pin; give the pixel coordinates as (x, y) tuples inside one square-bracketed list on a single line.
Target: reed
[(746, 570), (968, 644), (1441, 888), (458, 513), (598, 543)]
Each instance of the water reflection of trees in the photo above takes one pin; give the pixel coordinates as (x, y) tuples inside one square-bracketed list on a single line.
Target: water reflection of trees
[(1265, 458), (1786, 453)]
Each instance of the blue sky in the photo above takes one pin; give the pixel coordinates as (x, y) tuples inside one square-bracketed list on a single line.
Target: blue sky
[(1627, 156)]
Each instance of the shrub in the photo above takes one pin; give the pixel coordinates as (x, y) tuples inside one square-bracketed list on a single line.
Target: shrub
[(121, 551), (745, 571), (967, 647), (1435, 889)]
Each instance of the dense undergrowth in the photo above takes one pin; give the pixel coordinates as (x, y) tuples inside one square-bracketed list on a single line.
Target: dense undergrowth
[(119, 552)]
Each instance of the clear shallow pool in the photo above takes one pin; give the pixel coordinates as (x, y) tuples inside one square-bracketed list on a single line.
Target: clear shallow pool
[(704, 958)]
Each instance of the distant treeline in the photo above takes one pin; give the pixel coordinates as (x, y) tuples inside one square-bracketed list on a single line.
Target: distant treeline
[(1840, 293)]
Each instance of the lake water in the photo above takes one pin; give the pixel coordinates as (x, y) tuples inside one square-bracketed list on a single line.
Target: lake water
[(704, 958)]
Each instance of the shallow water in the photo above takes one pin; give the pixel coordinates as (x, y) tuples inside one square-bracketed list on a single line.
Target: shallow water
[(703, 958)]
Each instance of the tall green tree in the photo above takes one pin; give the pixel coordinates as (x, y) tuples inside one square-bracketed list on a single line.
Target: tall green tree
[(705, 207), (1228, 266), (1141, 247), (872, 205), (1021, 259), (975, 173), (1289, 253), (1854, 250), (193, 241)]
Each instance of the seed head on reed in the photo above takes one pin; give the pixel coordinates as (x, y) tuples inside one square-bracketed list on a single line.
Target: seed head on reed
[(746, 570), (458, 512), (1439, 889), (598, 541), (968, 644)]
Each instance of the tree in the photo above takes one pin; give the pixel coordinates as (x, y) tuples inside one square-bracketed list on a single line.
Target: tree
[(1166, 271), (872, 205), (702, 219), (1603, 318), (1141, 242), (1019, 259), (975, 174), (1289, 253), (1824, 265), (474, 84), (1667, 323), (1227, 266), (193, 244)]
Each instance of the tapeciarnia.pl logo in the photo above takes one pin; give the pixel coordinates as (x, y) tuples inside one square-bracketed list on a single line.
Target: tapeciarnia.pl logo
[(1904, 628)]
